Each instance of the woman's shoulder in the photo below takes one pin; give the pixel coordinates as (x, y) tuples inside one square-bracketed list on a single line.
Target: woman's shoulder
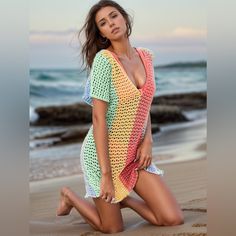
[(101, 58), (147, 51)]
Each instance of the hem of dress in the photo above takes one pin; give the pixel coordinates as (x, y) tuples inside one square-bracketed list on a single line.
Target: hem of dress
[(90, 195), (157, 172), (100, 98), (149, 169)]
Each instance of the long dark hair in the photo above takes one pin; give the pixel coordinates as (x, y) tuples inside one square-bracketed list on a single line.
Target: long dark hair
[(94, 42)]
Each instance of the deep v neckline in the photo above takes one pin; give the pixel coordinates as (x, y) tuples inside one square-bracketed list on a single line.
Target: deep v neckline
[(125, 73)]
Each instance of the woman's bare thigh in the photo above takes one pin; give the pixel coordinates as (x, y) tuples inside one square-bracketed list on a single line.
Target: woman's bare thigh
[(153, 190), (110, 215)]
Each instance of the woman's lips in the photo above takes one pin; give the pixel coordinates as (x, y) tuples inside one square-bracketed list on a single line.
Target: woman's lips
[(114, 30)]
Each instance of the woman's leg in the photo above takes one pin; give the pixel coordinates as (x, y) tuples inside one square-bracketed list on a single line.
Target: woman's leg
[(110, 215), (158, 206), (141, 208), (100, 219)]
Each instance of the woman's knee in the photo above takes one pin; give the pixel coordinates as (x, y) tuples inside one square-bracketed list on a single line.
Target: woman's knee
[(110, 215), (112, 229), (173, 219)]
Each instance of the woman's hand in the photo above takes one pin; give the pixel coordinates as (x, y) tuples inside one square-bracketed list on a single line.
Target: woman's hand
[(107, 188), (144, 154)]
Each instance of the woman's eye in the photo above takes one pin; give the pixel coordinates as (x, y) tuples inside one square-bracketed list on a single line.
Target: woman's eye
[(105, 23)]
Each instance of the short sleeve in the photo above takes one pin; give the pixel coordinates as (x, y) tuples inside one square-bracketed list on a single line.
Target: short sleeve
[(98, 82), (100, 78), (149, 52)]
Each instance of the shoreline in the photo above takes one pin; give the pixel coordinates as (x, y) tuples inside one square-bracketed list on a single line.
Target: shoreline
[(172, 144)]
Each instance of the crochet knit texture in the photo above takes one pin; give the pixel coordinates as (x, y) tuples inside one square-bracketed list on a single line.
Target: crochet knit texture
[(126, 117)]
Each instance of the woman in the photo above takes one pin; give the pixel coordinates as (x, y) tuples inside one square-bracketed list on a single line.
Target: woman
[(117, 150)]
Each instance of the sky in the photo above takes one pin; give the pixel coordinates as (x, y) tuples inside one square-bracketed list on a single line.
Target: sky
[(176, 31)]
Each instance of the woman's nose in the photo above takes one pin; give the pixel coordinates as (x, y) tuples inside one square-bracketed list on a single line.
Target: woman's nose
[(110, 22)]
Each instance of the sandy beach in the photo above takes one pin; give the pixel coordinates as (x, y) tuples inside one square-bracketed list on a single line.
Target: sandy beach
[(186, 179), (179, 149)]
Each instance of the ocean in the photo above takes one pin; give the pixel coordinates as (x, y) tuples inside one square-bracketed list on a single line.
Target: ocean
[(66, 86)]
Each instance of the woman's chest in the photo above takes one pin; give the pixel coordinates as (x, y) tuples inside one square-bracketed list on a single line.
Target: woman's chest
[(135, 71), (125, 92)]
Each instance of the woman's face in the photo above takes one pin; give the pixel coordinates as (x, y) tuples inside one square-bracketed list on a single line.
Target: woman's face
[(109, 18)]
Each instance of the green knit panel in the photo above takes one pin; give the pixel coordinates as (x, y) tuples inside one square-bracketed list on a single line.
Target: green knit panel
[(100, 78)]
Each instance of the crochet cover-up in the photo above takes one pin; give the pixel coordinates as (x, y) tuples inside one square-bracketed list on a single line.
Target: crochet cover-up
[(127, 116)]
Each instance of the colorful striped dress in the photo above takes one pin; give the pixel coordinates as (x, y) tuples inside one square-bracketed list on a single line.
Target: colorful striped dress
[(127, 116)]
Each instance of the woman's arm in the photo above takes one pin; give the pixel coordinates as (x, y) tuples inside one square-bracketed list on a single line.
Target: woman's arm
[(144, 151), (148, 133), (100, 132)]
